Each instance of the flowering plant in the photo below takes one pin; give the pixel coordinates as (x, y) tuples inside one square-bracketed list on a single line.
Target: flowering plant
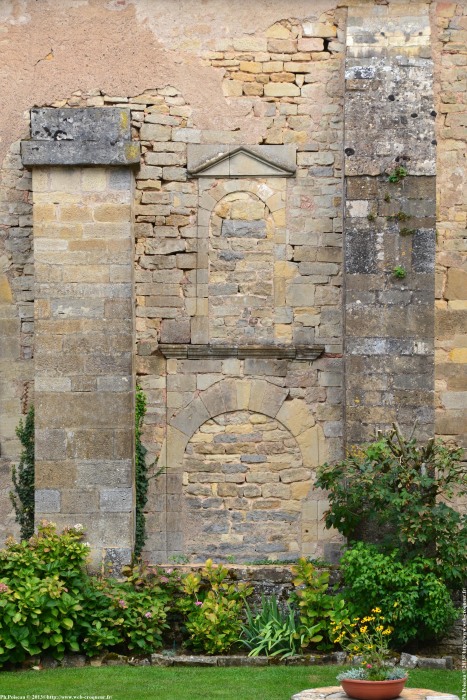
[(367, 639)]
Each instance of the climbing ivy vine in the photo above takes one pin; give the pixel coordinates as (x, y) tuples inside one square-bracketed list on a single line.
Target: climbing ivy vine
[(23, 478), (141, 473)]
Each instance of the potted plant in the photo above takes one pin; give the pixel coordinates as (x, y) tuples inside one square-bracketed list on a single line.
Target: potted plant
[(367, 639)]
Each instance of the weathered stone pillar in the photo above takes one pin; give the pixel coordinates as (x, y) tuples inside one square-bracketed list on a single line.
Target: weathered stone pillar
[(389, 219), (83, 258)]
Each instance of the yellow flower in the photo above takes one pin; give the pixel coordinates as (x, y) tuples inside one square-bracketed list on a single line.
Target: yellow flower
[(376, 610), (363, 629), (388, 631), (356, 619), (380, 628), (395, 604), (355, 648)]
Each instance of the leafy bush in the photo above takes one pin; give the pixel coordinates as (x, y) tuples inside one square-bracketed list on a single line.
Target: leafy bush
[(49, 603), (415, 601), (270, 630), (22, 497), (318, 609), (213, 609), (39, 599), (396, 488)]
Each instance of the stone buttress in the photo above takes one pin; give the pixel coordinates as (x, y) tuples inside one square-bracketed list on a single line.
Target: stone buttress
[(83, 263)]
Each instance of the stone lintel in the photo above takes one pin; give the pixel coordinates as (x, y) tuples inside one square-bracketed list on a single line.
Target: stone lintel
[(88, 136), (185, 351)]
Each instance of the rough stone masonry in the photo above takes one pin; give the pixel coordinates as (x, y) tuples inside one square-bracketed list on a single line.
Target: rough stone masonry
[(219, 219)]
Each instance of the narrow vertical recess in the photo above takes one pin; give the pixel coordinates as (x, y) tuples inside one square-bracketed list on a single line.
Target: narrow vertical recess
[(389, 220)]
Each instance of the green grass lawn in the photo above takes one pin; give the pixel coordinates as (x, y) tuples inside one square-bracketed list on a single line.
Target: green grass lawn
[(153, 683)]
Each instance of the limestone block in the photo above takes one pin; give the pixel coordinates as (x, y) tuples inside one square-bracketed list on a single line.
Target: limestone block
[(319, 29), (47, 501), (456, 285), (269, 368), (175, 331), (227, 489), (35, 153), (75, 501), (273, 398), (243, 395), (238, 228), (190, 418), (282, 45), (257, 391), (50, 444), (117, 500), (247, 210), (281, 90), (277, 31), (300, 292), (309, 445), (229, 393), (288, 476), (55, 475), (199, 329), (213, 399), (262, 477), (300, 489), (111, 472), (296, 416), (314, 44), (274, 490), (6, 296), (155, 132)]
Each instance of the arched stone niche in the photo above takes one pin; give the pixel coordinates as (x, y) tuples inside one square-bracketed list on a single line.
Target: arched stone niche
[(241, 269), (241, 254), (198, 518)]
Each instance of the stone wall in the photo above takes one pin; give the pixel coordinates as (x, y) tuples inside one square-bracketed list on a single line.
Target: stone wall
[(16, 317), (450, 52), (239, 266), (248, 260), (389, 320)]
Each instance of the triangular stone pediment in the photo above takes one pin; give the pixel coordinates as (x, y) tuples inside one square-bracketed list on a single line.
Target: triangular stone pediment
[(241, 161)]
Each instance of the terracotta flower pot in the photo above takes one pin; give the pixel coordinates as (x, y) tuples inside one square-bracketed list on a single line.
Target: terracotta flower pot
[(373, 690)]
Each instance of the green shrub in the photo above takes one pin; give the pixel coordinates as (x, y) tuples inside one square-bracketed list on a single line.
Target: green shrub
[(48, 603), (39, 594), (415, 602), (22, 497), (97, 627), (395, 488), (271, 631), (318, 609), (213, 609)]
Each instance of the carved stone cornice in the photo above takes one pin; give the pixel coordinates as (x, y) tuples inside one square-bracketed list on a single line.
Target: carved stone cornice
[(186, 351)]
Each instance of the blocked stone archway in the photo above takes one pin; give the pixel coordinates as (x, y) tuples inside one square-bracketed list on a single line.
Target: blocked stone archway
[(227, 399), (243, 483)]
